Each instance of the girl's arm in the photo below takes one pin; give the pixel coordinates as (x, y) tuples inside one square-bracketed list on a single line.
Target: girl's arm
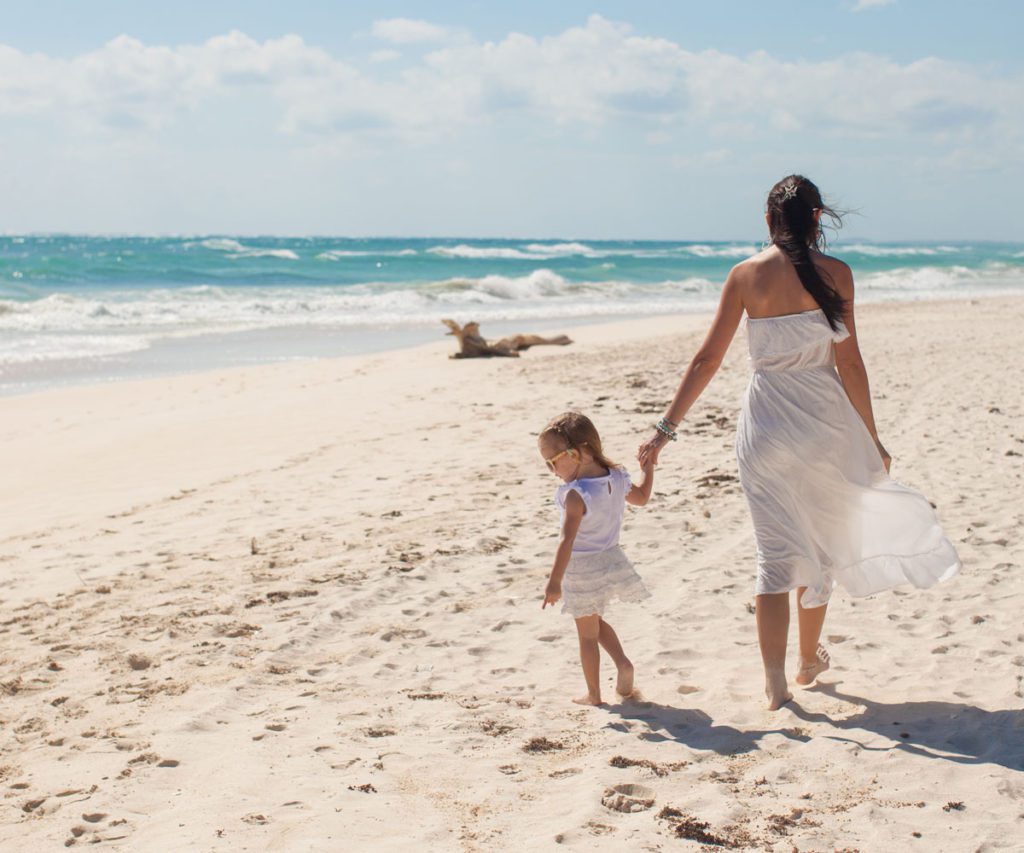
[(574, 509), (850, 364), (640, 493), (705, 363)]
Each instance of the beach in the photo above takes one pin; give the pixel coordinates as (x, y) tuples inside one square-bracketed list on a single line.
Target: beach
[(296, 606)]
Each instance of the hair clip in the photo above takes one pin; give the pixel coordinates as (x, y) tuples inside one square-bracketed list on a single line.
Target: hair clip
[(789, 192)]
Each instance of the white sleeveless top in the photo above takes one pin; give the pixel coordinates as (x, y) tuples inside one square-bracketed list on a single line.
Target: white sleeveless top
[(605, 500)]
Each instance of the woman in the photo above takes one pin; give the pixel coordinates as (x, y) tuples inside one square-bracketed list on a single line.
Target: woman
[(812, 467)]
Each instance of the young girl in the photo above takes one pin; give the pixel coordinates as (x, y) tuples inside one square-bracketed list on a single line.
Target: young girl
[(590, 568)]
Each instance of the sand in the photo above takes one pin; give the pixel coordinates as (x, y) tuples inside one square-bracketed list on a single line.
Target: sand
[(297, 607)]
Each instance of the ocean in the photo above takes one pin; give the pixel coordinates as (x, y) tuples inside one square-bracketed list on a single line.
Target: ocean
[(79, 309)]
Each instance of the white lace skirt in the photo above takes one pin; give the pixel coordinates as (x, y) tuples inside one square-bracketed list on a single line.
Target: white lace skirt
[(591, 581)]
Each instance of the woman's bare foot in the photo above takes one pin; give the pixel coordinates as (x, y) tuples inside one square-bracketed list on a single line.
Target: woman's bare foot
[(588, 699), (809, 671), (776, 689), (624, 683)]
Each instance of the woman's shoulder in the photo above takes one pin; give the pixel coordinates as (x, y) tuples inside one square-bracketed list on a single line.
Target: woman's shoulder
[(837, 269), (755, 261), (830, 262)]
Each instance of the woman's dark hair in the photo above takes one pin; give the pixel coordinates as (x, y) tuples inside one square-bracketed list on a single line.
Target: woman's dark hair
[(792, 203)]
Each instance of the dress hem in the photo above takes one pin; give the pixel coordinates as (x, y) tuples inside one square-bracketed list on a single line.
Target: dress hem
[(877, 573)]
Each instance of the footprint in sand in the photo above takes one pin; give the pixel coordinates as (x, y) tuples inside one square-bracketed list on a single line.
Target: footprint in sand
[(686, 689), (628, 798), (120, 828)]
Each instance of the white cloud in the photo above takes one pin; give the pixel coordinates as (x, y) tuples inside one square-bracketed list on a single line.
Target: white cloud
[(599, 74), (408, 31), (858, 94), (261, 135), (871, 4), (385, 56), (128, 83)]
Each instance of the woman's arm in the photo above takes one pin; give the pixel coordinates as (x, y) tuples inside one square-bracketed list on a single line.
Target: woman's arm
[(850, 363), (705, 362), (574, 510)]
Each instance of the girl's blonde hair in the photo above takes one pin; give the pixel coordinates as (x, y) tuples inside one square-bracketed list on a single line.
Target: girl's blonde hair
[(576, 431)]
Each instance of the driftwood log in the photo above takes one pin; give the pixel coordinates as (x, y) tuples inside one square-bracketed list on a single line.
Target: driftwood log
[(473, 345)]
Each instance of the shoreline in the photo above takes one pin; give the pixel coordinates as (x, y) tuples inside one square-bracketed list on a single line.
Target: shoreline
[(217, 352), (225, 351), (210, 404), (213, 352)]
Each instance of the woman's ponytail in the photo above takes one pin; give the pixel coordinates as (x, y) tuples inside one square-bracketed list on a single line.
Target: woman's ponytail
[(792, 204)]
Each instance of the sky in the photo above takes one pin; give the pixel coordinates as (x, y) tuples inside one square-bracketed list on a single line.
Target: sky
[(639, 120)]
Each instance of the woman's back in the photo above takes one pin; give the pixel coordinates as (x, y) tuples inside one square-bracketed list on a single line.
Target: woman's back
[(770, 286)]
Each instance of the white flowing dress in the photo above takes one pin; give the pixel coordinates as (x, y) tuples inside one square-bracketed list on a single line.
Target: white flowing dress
[(824, 509)]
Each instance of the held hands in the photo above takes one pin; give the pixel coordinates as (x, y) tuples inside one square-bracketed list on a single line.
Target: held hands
[(552, 593), (647, 455)]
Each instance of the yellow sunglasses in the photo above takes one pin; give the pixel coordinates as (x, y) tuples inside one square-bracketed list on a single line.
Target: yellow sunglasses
[(551, 462)]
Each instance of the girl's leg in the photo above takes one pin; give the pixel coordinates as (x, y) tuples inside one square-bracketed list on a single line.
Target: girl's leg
[(772, 631), (609, 641), (813, 657), (589, 629)]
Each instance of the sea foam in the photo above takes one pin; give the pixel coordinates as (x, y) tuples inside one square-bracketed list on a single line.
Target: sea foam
[(100, 297)]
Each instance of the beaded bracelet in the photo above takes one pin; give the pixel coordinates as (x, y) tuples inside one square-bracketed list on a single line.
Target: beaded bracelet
[(663, 427)]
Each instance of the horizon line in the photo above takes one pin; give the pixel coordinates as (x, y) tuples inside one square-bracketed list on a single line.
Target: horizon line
[(328, 236)]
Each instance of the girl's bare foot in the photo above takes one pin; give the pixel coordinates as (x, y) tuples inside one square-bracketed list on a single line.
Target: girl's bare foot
[(588, 699), (624, 683), (810, 671), (776, 689)]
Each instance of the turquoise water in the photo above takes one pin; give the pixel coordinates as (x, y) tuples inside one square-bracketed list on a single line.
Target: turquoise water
[(74, 306)]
